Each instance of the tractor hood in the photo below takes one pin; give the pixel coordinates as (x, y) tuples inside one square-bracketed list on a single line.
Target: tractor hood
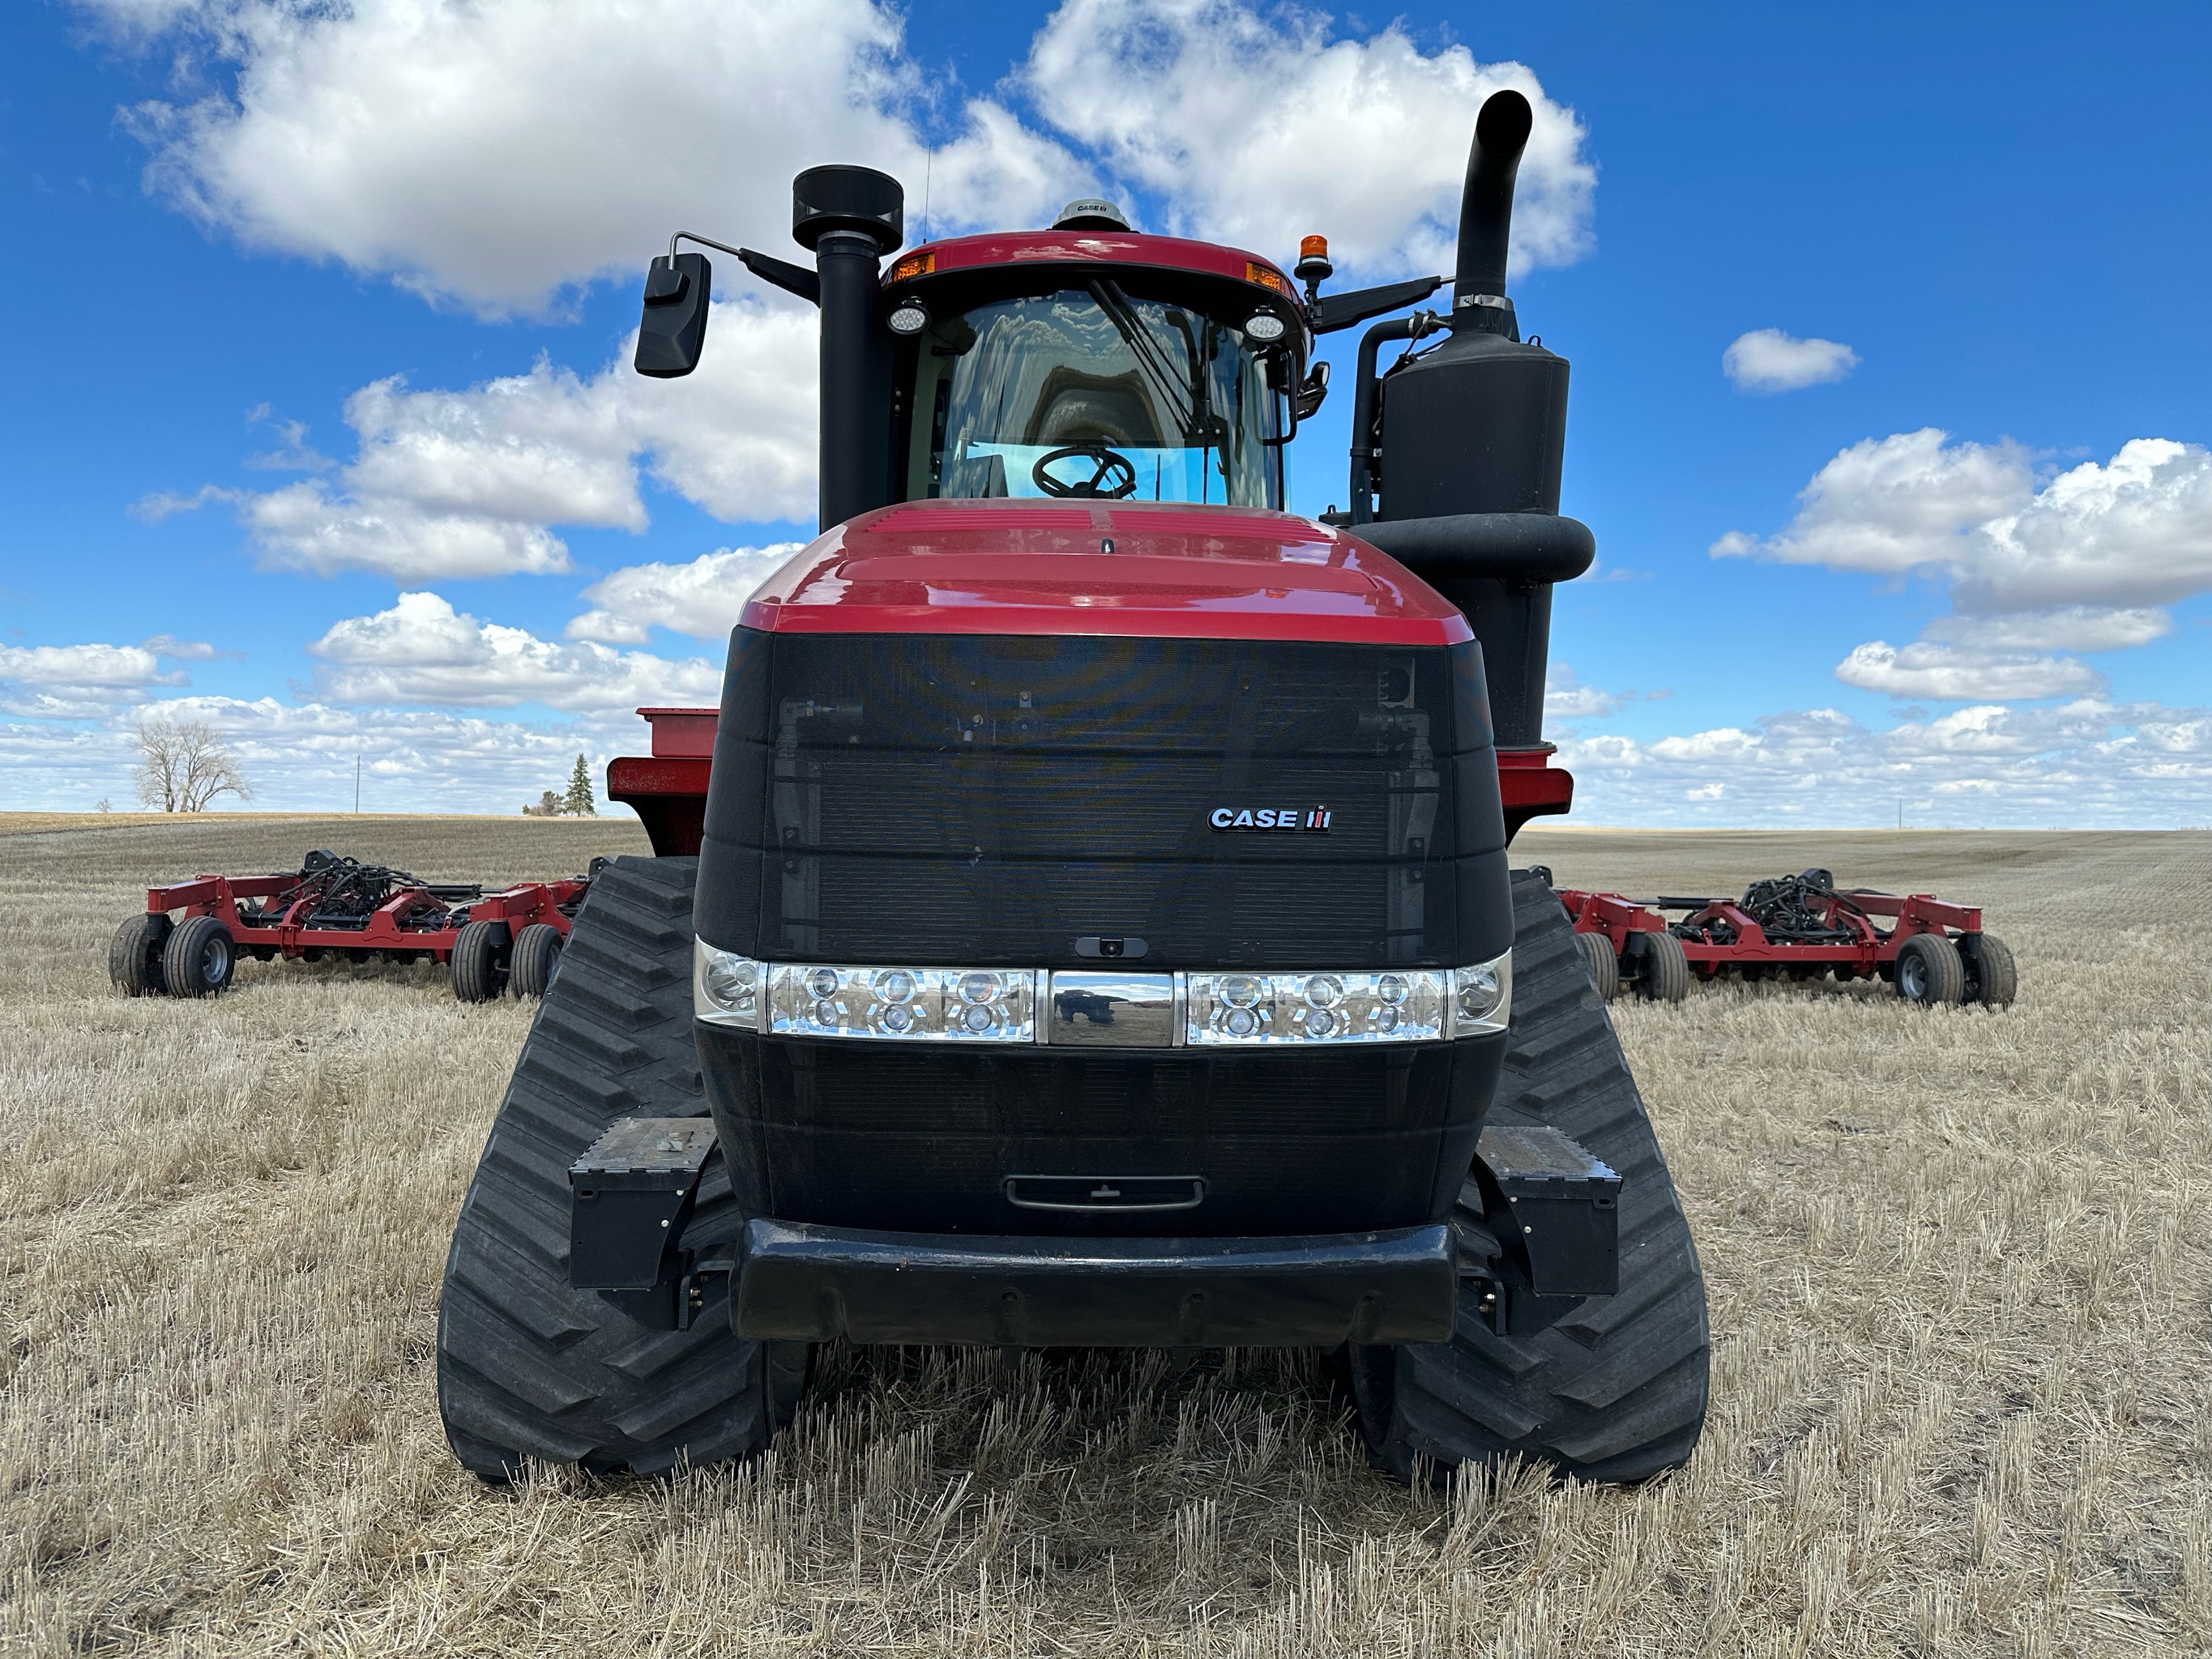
[(1130, 569)]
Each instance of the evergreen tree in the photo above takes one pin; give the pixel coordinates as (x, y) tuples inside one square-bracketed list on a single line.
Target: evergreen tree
[(578, 801)]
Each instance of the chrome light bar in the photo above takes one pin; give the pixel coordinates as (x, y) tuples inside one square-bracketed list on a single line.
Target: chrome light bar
[(1211, 1009)]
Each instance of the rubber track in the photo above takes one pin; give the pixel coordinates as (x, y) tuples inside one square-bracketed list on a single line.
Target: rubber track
[(526, 1367), (1616, 1391)]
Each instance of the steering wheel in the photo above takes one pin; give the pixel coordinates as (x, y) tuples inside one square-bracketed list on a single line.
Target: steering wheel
[(1108, 464)]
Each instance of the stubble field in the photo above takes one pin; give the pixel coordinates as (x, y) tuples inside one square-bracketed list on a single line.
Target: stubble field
[(1961, 1306)]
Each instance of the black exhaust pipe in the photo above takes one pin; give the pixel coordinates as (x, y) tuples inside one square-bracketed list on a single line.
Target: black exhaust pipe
[(1485, 213), (851, 217)]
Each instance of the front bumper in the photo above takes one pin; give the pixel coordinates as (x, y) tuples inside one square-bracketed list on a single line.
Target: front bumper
[(804, 1282)]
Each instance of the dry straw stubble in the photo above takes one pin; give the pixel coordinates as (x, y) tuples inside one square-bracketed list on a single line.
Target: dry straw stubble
[(1959, 1267)]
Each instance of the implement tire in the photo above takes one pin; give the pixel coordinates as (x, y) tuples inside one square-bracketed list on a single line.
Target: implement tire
[(134, 955), (1992, 978), (481, 953), (1665, 973), (1616, 1390), (527, 1367), (199, 958), (1930, 972), (537, 953), (1604, 966)]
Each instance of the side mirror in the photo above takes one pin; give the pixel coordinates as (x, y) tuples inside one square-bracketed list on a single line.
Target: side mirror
[(674, 326), (1311, 390)]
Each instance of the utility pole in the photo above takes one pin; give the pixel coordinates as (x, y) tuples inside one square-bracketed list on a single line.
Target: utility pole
[(1900, 815), (356, 787)]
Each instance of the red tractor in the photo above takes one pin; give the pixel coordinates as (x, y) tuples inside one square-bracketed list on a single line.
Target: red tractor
[(1087, 919)]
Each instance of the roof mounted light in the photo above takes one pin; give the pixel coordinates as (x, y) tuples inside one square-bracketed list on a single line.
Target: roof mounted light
[(909, 318), (1264, 326)]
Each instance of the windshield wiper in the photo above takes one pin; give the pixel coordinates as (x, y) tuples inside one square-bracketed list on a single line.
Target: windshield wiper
[(1181, 402)]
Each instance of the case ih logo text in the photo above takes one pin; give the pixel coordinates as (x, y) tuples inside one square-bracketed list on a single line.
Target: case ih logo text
[(1269, 818)]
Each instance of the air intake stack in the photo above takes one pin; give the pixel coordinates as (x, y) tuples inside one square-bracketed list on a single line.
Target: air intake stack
[(1468, 437)]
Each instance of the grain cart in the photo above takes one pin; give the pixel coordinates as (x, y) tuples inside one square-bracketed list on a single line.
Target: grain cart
[(1094, 928)]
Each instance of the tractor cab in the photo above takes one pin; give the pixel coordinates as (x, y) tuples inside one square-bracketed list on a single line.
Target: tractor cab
[(1091, 363)]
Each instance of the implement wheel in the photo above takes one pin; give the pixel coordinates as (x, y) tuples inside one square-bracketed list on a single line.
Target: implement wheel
[(1664, 975), (537, 954), (1616, 1390), (1604, 966), (134, 956), (198, 959), (1930, 972), (528, 1367), (1992, 980), (480, 959)]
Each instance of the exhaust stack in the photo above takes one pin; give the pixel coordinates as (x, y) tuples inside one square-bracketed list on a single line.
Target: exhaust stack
[(1485, 214)]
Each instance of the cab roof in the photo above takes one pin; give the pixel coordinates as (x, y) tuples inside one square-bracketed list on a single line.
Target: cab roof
[(1006, 248)]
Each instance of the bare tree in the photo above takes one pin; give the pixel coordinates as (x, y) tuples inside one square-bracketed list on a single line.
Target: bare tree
[(183, 766)]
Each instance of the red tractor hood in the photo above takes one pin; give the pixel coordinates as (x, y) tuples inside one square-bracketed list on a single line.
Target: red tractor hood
[(1128, 569)]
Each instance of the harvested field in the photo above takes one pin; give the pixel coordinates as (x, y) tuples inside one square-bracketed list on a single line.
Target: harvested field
[(1962, 1306)]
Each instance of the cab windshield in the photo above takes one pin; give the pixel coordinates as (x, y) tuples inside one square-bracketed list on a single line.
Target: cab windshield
[(1091, 393)]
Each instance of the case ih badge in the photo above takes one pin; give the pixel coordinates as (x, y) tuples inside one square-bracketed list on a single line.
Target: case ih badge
[(1269, 818)]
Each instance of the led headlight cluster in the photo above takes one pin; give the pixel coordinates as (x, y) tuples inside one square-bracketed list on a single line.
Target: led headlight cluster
[(997, 1004), (950, 1004), (1395, 1005)]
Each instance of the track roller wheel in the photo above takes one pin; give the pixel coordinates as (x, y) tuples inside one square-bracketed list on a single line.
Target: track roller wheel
[(529, 1367), (134, 956), (199, 958), (1664, 975), (537, 954), (1992, 980), (480, 961), (1616, 1390), (1604, 966), (1930, 971)]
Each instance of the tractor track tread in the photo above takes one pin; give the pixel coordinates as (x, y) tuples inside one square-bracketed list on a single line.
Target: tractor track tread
[(1616, 1391), (528, 1367)]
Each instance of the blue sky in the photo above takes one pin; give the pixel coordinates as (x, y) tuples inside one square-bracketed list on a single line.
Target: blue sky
[(316, 427)]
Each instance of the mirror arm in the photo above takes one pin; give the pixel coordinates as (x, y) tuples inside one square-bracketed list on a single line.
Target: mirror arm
[(777, 273)]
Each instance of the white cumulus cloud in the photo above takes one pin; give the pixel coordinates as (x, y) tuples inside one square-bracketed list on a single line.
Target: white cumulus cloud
[(497, 152), (497, 155), (2087, 761), (1566, 698), (456, 484), (1256, 128), (423, 651), (1768, 360), (2080, 561), (86, 682), (1950, 673), (703, 598)]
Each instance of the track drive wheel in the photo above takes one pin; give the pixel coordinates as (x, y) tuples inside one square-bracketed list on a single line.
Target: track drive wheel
[(1616, 1390), (537, 953), (1930, 971), (481, 954), (134, 956), (1604, 966), (528, 1368), (1992, 980), (199, 958), (1665, 976)]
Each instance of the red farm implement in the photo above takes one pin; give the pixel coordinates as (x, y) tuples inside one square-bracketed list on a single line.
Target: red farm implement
[(188, 940), (1798, 927)]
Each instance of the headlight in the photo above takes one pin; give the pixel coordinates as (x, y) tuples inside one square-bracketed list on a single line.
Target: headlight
[(950, 1004), (726, 987), (1482, 996), (1400, 1005)]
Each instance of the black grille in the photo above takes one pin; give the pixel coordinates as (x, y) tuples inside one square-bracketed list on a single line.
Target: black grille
[(989, 799)]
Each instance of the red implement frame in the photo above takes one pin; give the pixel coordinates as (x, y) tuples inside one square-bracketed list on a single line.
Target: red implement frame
[(668, 790), (1740, 941), (388, 927)]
